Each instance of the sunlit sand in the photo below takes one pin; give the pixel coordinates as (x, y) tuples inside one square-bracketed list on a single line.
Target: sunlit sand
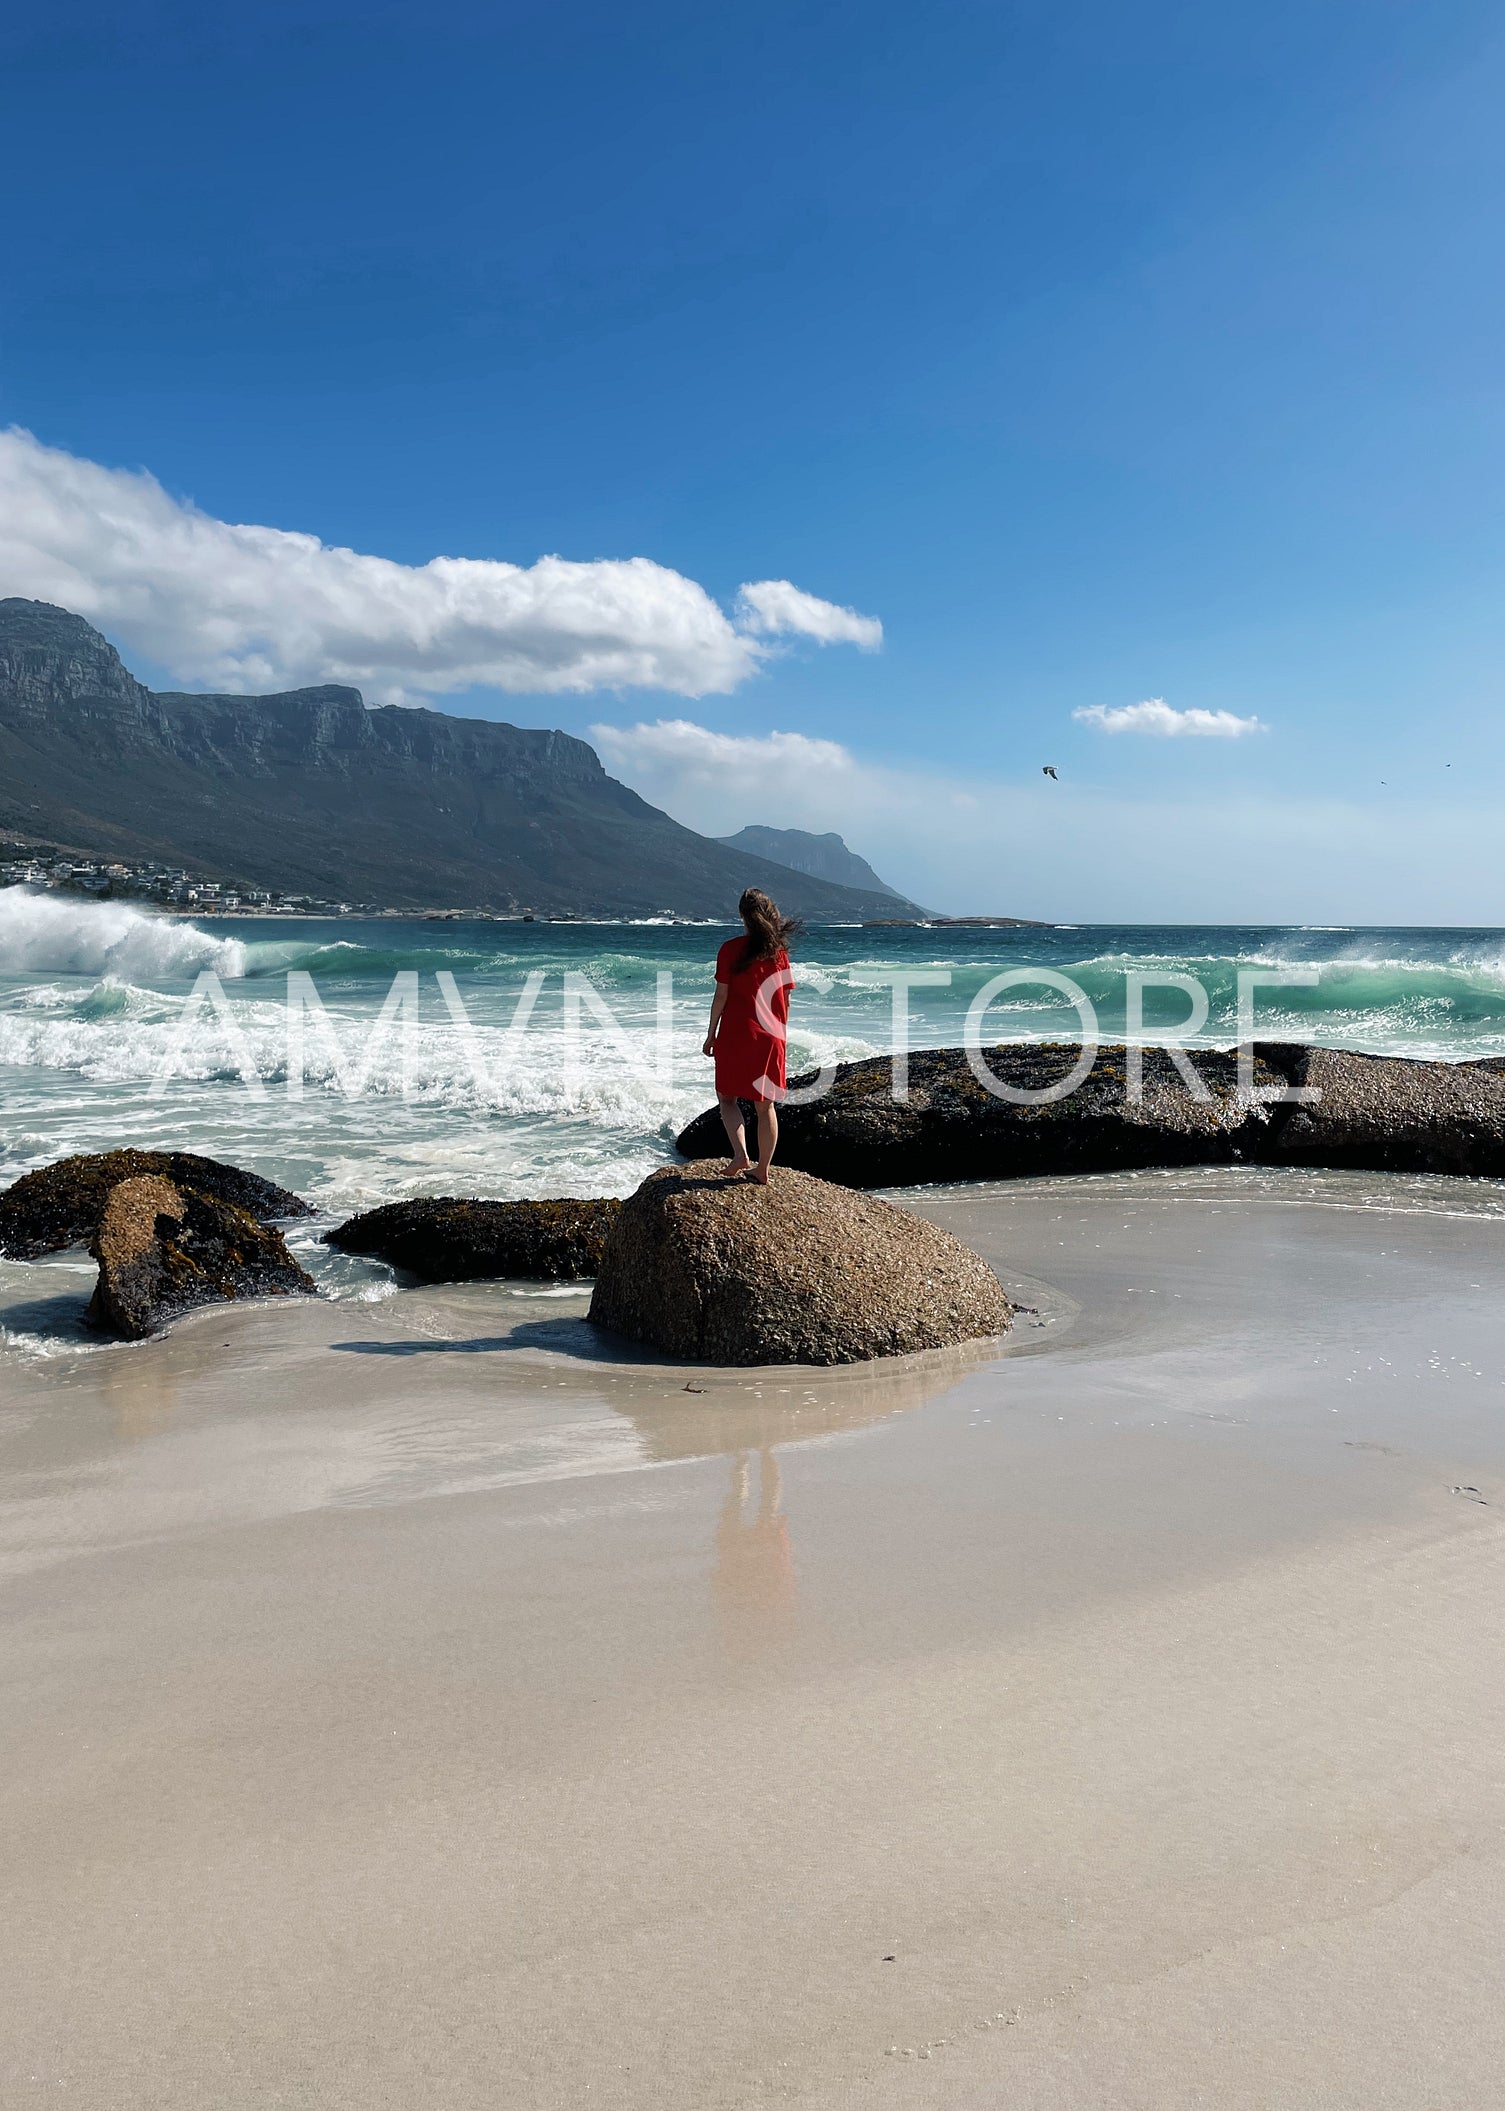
[(426, 1702)]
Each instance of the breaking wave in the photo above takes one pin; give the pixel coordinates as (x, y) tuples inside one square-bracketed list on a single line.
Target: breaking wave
[(117, 1034), (52, 935), (1446, 1007)]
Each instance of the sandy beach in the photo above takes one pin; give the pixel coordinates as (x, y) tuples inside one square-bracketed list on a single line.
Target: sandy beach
[(422, 1703), (752, 1059)]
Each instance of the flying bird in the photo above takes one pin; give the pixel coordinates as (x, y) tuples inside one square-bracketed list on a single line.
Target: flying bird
[(1049, 770)]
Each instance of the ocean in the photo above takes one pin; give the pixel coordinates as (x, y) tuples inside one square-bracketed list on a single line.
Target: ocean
[(473, 1098)]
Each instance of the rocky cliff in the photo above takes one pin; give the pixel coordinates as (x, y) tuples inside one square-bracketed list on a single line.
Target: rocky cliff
[(308, 792)]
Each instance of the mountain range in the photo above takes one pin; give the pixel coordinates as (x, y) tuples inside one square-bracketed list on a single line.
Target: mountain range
[(310, 792)]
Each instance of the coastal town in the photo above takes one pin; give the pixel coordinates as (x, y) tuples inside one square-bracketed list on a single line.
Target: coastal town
[(168, 886)]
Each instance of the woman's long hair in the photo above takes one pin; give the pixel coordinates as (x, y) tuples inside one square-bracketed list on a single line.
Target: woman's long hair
[(768, 933)]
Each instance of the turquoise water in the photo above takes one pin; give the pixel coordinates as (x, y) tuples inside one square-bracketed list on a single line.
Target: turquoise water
[(92, 999)]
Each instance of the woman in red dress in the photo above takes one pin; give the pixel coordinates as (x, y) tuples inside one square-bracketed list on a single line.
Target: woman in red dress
[(749, 1021)]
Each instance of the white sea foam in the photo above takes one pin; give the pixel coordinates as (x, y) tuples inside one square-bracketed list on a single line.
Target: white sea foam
[(613, 1081), (52, 935)]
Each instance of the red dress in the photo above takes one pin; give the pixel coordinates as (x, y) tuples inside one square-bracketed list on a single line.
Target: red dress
[(750, 1059)]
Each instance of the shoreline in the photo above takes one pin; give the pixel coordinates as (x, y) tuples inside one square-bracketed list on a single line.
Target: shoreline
[(415, 1703), (99, 1008)]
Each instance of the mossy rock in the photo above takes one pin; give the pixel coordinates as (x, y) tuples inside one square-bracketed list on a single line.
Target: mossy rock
[(63, 1204), (163, 1250), (449, 1239), (952, 1126)]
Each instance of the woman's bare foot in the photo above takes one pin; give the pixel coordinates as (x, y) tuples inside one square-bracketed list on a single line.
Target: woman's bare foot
[(737, 1168), (760, 1174)]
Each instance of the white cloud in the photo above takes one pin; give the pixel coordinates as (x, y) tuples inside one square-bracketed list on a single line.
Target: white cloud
[(737, 777), (906, 821), (1156, 716), (774, 608), (242, 607)]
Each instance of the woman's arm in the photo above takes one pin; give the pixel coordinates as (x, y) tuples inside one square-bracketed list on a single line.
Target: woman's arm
[(718, 1006)]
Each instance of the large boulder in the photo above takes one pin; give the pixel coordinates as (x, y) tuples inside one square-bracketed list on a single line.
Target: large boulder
[(952, 1127), (162, 1250), (62, 1205), (1390, 1114), (1376, 1113), (726, 1271), (449, 1240)]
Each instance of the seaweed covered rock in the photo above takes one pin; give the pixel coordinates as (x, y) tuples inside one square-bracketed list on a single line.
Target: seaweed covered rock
[(1371, 1113), (724, 1271), (448, 1240), (163, 1250), (1390, 1114), (952, 1126), (63, 1204)]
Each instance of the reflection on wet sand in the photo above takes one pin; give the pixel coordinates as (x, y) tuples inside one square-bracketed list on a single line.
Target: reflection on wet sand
[(742, 1411), (748, 1414), (752, 1582), (263, 1412)]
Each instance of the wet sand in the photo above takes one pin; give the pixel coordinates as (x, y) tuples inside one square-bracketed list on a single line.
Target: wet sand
[(419, 1703)]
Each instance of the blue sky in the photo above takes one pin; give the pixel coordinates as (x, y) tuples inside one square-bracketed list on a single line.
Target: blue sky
[(1101, 353)]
